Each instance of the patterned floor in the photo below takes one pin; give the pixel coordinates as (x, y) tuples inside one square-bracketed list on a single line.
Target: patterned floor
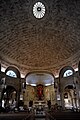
[(39, 118)]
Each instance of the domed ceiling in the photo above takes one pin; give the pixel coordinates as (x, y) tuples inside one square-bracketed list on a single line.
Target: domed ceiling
[(42, 36)]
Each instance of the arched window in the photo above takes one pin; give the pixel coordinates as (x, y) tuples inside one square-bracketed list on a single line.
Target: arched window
[(67, 73), (11, 73)]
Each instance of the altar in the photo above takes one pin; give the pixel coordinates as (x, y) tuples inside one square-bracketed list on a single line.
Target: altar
[(40, 104)]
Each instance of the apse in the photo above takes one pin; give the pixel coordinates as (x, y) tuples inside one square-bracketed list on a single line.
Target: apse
[(43, 78)]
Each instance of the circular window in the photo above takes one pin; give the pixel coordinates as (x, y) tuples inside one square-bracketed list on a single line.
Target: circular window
[(39, 10)]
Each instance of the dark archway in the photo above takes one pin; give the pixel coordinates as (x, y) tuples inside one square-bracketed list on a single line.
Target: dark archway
[(70, 99), (9, 98)]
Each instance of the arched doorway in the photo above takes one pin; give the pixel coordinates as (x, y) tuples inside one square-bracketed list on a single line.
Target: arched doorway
[(70, 97), (9, 98)]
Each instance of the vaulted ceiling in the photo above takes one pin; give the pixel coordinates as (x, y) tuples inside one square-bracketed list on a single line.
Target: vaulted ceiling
[(49, 43)]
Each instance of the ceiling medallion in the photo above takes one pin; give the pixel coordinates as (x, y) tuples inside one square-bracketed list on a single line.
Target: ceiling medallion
[(39, 10)]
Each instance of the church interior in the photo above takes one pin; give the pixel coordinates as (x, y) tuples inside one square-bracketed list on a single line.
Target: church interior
[(39, 59)]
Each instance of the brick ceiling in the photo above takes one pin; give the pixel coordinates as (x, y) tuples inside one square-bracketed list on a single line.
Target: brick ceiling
[(49, 43)]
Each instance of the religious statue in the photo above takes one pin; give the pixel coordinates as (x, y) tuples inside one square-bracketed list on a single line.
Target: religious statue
[(40, 91)]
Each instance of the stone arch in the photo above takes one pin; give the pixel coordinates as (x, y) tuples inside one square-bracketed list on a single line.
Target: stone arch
[(72, 102), (68, 85), (10, 98), (9, 89), (40, 87), (64, 69)]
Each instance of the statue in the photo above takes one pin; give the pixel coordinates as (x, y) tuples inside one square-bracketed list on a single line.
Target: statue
[(40, 91)]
